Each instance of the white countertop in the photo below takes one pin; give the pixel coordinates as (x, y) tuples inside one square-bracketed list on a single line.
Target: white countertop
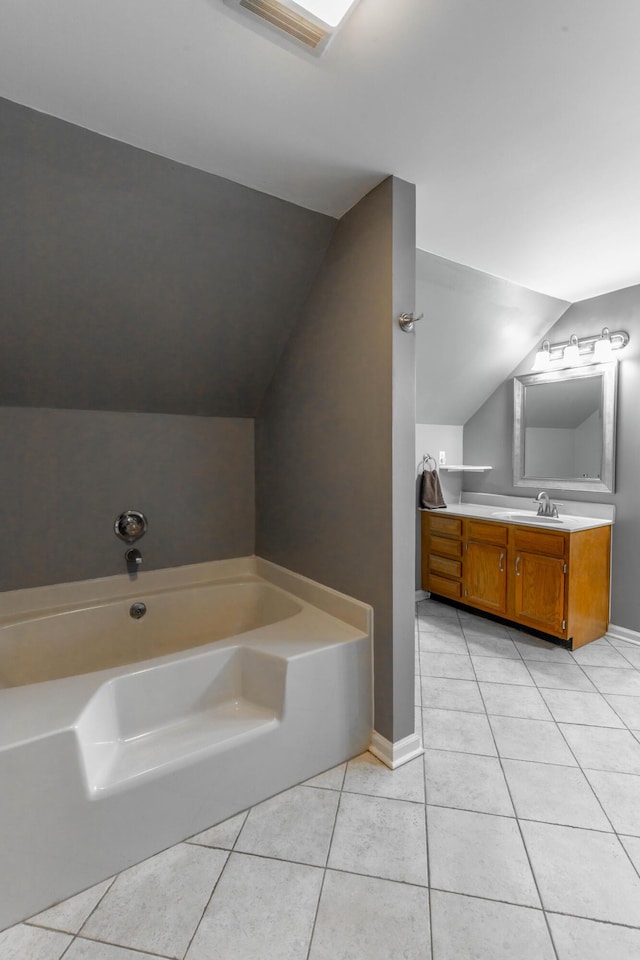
[(523, 510)]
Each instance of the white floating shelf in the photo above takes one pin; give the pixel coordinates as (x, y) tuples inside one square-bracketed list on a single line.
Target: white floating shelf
[(463, 466)]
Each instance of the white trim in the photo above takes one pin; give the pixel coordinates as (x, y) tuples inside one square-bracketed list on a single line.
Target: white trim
[(623, 633), (395, 754), (422, 595)]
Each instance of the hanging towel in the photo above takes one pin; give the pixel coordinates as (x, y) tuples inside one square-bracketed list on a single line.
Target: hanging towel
[(430, 490)]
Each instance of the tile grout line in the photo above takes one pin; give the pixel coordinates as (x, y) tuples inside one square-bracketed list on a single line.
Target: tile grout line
[(548, 719), (547, 763), (543, 910), (118, 946), (209, 899), (78, 933), (426, 816), (597, 798), (326, 863), (42, 926), (215, 886), (521, 834), (582, 771)]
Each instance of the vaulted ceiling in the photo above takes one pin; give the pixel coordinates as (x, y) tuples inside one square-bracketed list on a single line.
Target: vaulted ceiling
[(517, 121)]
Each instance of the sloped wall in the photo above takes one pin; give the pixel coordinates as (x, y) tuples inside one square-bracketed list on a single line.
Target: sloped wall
[(131, 282), (335, 438), (488, 438), (475, 329), (136, 294)]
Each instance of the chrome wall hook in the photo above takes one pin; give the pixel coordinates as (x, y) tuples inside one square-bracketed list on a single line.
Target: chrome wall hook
[(407, 320)]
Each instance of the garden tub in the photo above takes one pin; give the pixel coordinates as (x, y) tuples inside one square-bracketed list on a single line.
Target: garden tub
[(121, 733)]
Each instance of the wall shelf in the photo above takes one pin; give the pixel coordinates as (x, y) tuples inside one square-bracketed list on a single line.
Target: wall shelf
[(467, 467)]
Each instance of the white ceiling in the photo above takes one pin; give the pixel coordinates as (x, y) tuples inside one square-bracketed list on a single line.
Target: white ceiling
[(517, 120)]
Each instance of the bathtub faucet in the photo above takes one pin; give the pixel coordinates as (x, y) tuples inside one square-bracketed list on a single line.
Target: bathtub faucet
[(133, 558)]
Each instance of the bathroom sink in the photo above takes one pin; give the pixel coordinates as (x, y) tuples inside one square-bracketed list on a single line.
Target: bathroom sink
[(525, 516)]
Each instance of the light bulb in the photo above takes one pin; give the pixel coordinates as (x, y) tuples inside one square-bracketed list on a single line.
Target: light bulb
[(543, 357), (572, 352), (602, 350)]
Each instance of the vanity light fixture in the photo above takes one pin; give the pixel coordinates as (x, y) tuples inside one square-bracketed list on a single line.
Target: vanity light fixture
[(310, 24), (577, 351), (542, 361)]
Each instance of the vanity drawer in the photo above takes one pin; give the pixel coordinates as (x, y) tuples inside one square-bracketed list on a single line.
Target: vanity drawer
[(496, 533), (450, 526), (447, 548), (539, 541), (449, 568), (446, 588)]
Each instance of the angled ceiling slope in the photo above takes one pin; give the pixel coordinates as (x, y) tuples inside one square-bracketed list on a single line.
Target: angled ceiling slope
[(476, 329), (516, 121), (131, 282)]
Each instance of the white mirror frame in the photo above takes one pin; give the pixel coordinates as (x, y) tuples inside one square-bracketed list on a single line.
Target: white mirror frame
[(608, 400)]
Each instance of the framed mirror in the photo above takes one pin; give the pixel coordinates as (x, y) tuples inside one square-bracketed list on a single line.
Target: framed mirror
[(564, 425)]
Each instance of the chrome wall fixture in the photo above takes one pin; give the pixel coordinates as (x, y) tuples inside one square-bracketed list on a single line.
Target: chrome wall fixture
[(580, 350), (407, 320), (130, 526)]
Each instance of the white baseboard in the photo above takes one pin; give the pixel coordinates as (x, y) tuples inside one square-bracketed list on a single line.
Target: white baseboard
[(395, 754), (422, 595), (623, 633)]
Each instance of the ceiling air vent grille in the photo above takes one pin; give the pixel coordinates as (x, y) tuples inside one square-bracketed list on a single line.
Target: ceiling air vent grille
[(287, 21)]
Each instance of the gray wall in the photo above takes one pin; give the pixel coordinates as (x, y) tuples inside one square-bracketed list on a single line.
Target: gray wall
[(131, 282), (65, 475), (488, 438), (331, 503)]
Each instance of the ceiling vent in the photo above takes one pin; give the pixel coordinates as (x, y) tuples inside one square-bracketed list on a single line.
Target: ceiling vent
[(292, 23)]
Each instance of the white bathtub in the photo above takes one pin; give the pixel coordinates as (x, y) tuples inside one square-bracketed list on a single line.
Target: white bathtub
[(120, 737)]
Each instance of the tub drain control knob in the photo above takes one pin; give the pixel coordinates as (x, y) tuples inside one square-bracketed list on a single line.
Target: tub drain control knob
[(137, 610)]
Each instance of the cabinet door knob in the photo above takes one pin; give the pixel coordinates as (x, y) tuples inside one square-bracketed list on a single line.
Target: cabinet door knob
[(517, 566), (501, 563)]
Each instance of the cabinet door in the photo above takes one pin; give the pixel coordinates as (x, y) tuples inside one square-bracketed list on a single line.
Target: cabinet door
[(539, 593), (485, 581)]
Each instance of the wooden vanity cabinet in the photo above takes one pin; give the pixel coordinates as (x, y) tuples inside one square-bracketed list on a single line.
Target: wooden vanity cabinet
[(442, 555), (553, 581), (540, 569), (485, 566)]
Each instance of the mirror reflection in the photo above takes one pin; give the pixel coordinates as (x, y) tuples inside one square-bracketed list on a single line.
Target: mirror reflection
[(564, 428)]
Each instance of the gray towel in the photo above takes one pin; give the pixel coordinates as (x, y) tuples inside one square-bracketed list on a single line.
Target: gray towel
[(430, 490)]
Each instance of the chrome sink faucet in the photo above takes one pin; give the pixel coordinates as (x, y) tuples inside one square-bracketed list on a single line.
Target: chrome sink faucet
[(546, 508)]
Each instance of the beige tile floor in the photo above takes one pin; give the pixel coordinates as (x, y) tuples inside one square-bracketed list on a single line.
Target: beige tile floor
[(515, 837)]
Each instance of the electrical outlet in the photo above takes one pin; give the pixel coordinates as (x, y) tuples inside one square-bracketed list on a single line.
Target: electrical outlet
[(442, 458)]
